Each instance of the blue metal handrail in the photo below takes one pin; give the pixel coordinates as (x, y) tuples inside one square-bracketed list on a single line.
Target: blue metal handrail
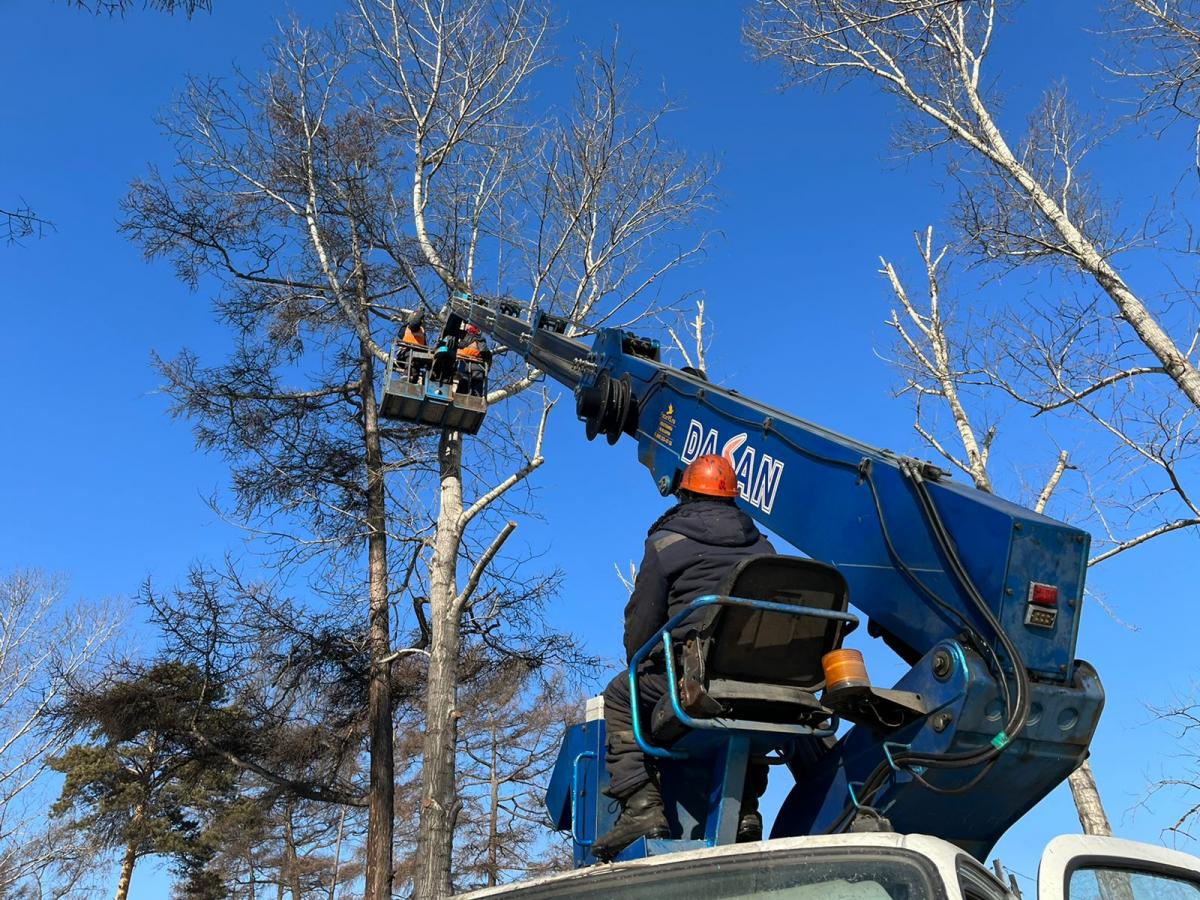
[(664, 634), (586, 754)]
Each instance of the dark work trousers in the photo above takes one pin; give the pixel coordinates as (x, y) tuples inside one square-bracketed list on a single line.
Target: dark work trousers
[(626, 763)]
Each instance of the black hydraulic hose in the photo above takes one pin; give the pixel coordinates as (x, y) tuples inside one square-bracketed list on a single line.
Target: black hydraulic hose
[(1017, 712), (977, 641)]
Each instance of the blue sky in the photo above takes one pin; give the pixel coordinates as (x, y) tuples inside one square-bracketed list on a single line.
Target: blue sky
[(103, 486)]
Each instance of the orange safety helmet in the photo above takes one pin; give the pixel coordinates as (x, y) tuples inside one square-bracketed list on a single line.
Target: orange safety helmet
[(710, 475)]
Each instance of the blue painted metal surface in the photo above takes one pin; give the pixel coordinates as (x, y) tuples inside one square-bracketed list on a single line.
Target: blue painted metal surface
[(858, 508), (803, 482), (1052, 745), (702, 794), (578, 789), (574, 800)]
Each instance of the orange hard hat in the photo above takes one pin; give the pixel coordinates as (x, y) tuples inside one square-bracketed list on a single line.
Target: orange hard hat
[(710, 475)]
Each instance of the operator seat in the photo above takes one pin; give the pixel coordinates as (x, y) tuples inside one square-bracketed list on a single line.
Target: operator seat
[(744, 664)]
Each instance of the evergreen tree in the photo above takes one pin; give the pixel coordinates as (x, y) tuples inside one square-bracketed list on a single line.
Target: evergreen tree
[(142, 784)]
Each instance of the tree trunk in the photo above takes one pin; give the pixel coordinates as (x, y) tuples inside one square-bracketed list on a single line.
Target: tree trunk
[(291, 865), (493, 863), (126, 870), (1092, 816), (131, 849), (337, 856), (1094, 820), (439, 801), (381, 792)]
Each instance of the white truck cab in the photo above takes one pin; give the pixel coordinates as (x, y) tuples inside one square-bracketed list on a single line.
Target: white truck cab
[(872, 867)]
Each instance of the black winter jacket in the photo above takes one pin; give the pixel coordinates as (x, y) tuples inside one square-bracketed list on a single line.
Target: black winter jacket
[(688, 551)]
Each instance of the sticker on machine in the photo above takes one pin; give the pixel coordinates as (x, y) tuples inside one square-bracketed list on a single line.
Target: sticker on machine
[(666, 426), (758, 473)]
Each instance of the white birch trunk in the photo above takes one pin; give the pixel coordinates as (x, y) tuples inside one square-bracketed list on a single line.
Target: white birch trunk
[(439, 800)]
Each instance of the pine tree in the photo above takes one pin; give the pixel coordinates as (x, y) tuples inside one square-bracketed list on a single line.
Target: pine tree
[(142, 785)]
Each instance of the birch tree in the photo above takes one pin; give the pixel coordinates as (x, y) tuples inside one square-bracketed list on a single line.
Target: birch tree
[(1123, 367), (1028, 201), (580, 217), (45, 643)]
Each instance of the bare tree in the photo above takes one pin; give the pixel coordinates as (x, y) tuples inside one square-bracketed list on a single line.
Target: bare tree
[(1029, 203), (1183, 716), (282, 192), (119, 7), (691, 338), (21, 222), (581, 216), (509, 738), (45, 642)]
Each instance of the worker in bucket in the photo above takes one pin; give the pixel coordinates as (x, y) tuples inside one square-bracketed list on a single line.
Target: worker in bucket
[(689, 550), (474, 359), (414, 330), (414, 336)]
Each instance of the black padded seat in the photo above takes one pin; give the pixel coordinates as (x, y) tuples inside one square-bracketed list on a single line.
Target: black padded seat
[(756, 665)]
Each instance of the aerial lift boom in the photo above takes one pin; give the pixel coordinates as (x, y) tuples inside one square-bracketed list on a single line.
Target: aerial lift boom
[(980, 596)]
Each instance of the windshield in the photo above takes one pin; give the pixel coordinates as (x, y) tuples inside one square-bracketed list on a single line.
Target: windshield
[(830, 875), (1113, 884)]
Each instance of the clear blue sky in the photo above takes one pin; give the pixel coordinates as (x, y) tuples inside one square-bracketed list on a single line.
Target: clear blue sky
[(101, 485)]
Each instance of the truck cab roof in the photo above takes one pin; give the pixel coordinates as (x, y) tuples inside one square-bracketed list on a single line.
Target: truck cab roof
[(880, 866)]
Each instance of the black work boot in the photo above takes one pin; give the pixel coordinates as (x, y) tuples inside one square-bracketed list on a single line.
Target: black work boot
[(641, 816), (750, 824), (750, 827)]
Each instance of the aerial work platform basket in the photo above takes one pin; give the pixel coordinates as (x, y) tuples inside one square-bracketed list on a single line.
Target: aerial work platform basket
[(434, 386)]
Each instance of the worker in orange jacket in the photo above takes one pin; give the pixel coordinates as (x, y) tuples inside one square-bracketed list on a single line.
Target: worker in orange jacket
[(474, 360), (414, 331), (414, 336)]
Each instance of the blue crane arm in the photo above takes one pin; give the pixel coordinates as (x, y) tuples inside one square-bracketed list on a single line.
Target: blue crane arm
[(834, 498), (980, 596)]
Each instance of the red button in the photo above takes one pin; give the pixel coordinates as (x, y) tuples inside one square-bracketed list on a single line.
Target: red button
[(1043, 594)]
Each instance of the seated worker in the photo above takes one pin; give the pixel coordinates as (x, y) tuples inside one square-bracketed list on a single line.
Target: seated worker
[(689, 550)]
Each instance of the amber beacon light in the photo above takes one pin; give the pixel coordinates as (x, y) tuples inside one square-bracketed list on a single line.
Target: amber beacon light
[(844, 668)]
